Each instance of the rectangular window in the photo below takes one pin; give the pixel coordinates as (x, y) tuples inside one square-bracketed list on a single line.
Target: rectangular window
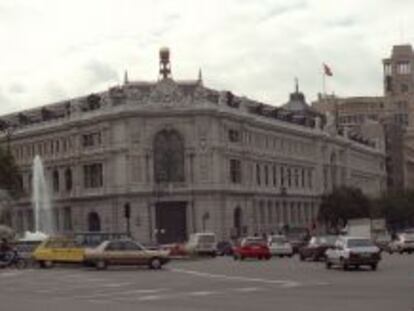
[(93, 176), (258, 174), (91, 139), (289, 177), (282, 176), (404, 68), (302, 178), (310, 178), (387, 69), (296, 177), (234, 136), (67, 218), (235, 171), (274, 175), (266, 168)]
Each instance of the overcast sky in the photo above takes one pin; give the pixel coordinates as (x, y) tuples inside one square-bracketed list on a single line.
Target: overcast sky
[(58, 49)]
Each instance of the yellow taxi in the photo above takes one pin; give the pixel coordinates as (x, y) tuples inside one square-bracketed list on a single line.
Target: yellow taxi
[(58, 250)]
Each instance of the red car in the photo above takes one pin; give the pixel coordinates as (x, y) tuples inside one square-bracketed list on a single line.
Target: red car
[(252, 247)]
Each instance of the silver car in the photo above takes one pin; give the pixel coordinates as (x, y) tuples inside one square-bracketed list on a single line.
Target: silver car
[(353, 251)]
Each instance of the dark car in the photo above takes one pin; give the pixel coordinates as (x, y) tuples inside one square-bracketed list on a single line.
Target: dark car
[(252, 247), (297, 237), (316, 247), (225, 248)]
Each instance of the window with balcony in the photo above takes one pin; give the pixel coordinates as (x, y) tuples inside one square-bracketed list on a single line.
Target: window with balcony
[(91, 139), (235, 171), (93, 175)]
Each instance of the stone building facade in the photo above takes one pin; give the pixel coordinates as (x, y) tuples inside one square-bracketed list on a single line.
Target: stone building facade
[(185, 158)]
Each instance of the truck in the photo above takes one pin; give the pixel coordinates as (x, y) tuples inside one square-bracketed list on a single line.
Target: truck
[(374, 229)]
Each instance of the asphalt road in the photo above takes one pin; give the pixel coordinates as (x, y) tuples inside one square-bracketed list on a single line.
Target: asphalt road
[(213, 284)]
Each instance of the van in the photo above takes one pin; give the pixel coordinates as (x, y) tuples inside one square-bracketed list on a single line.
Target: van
[(202, 243)]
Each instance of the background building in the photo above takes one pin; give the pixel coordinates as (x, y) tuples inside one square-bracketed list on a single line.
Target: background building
[(185, 158), (394, 111)]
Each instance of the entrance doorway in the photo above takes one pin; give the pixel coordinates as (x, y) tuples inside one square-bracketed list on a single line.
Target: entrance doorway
[(171, 222)]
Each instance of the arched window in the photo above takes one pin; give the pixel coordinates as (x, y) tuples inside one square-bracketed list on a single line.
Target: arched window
[(68, 179), (168, 157), (55, 181), (94, 222)]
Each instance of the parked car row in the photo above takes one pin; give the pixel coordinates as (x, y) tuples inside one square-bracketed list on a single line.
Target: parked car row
[(114, 252), (404, 243), (343, 251)]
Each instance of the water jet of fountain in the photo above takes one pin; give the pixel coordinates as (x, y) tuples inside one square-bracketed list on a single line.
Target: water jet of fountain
[(41, 199)]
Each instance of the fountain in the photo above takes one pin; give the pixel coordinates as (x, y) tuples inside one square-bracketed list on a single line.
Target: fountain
[(41, 203)]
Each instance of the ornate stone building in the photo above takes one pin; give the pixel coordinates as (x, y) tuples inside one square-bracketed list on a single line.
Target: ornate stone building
[(185, 158)]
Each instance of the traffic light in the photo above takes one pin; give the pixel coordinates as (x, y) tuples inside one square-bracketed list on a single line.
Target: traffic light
[(127, 210)]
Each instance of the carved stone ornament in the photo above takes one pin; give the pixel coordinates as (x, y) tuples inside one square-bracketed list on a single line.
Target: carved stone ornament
[(166, 91), (133, 93), (200, 93)]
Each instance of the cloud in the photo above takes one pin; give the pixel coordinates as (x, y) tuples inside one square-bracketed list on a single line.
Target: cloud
[(254, 48), (17, 88), (100, 72)]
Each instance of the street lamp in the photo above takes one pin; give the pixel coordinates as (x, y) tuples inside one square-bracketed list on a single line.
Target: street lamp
[(127, 215)]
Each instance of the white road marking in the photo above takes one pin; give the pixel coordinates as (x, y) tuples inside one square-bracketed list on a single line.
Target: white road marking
[(116, 284), (284, 283), (247, 289), (10, 274), (202, 293), (150, 297), (111, 294)]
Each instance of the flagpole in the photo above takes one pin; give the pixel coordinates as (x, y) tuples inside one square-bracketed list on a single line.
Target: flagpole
[(323, 82)]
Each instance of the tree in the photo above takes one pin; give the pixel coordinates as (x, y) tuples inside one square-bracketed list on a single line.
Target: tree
[(10, 178), (10, 184), (397, 208), (342, 204)]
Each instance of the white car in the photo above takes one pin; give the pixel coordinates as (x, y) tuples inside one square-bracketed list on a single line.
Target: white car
[(202, 243), (279, 246), (353, 251), (403, 243)]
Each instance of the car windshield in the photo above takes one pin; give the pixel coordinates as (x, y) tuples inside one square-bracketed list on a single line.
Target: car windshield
[(207, 238), (359, 243), (327, 240), (254, 241), (408, 237), (279, 240)]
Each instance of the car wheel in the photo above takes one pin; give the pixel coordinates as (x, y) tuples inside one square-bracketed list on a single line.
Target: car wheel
[(48, 264), (101, 265), (21, 264), (241, 257), (328, 264), (235, 257), (155, 263), (268, 257), (374, 266), (301, 257), (290, 255), (357, 267)]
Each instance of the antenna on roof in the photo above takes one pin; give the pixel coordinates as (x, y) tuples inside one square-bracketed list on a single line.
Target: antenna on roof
[(296, 85), (126, 81), (200, 76)]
